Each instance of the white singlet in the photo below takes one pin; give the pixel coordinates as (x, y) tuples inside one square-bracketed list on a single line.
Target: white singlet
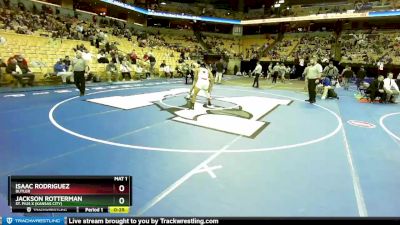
[(203, 81)]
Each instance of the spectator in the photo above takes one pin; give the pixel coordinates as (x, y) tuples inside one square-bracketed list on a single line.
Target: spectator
[(152, 60), (2, 64), (347, 74), (2, 40), (397, 80), (331, 71), (220, 70), (391, 88), (86, 55), (376, 90), (67, 62), (102, 57), (18, 68), (163, 64), (60, 69), (275, 72), (125, 70), (111, 70), (133, 57), (283, 71), (380, 65), (326, 86), (167, 71), (360, 76)]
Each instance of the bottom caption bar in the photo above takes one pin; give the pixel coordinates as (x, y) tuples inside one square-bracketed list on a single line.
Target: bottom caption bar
[(185, 220)]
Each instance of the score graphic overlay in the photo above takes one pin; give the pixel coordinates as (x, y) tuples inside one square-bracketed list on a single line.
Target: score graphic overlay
[(70, 194)]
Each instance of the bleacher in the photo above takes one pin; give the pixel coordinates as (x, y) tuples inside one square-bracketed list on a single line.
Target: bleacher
[(282, 49), (254, 43), (377, 44)]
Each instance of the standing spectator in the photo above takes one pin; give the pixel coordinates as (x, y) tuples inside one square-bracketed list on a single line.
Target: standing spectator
[(220, 71), (152, 60), (275, 73), (111, 70), (331, 71), (347, 74), (380, 65), (257, 73), (391, 88), (235, 69), (360, 76), (283, 71), (79, 67), (270, 71), (314, 72), (305, 77)]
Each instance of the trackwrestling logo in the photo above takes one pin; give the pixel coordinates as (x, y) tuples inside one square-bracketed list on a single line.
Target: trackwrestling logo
[(240, 115), (34, 220)]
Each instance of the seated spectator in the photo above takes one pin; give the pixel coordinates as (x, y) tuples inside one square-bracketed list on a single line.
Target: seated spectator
[(67, 62), (80, 48), (20, 71), (391, 88), (2, 64), (112, 70), (87, 56), (139, 71), (125, 70), (102, 57), (163, 64), (133, 57), (179, 70), (398, 80), (326, 88), (91, 76), (2, 40), (376, 90), (167, 71), (60, 69)]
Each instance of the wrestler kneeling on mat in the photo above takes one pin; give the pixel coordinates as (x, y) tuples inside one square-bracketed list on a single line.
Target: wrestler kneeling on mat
[(203, 80)]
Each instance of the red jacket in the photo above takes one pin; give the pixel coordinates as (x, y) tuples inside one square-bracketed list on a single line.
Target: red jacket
[(24, 62)]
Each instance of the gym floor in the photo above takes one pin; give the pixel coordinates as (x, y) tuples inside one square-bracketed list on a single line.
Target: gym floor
[(255, 152)]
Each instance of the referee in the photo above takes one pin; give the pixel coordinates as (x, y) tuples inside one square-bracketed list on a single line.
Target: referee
[(257, 72), (313, 73), (79, 67)]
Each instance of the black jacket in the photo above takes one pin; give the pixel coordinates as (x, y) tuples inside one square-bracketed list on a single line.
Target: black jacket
[(376, 85)]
